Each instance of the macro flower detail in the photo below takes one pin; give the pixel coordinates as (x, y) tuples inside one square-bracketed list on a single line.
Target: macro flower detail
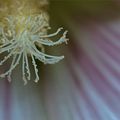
[(25, 36)]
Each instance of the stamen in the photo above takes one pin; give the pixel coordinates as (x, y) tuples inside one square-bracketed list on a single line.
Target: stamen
[(31, 32), (51, 35), (12, 67), (13, 61), (51, 43), (23, 70), (4, 35), (27, 65), (7, 57), (35, 68)]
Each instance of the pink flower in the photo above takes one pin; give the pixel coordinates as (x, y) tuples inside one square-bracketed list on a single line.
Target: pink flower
[(85, 86)]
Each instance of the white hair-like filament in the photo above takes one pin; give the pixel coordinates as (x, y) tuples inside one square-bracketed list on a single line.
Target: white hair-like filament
[(22, 39)]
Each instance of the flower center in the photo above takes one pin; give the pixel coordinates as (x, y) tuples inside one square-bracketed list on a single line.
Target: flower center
[(21, 34)]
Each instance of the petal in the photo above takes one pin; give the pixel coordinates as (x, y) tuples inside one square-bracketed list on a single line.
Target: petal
[(83, 87), (87, 86), (95, 64)]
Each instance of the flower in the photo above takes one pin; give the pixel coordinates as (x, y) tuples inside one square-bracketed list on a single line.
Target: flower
[(85, 85)]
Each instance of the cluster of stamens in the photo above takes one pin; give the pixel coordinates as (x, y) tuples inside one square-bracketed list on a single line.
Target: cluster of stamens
[(22, 38)]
